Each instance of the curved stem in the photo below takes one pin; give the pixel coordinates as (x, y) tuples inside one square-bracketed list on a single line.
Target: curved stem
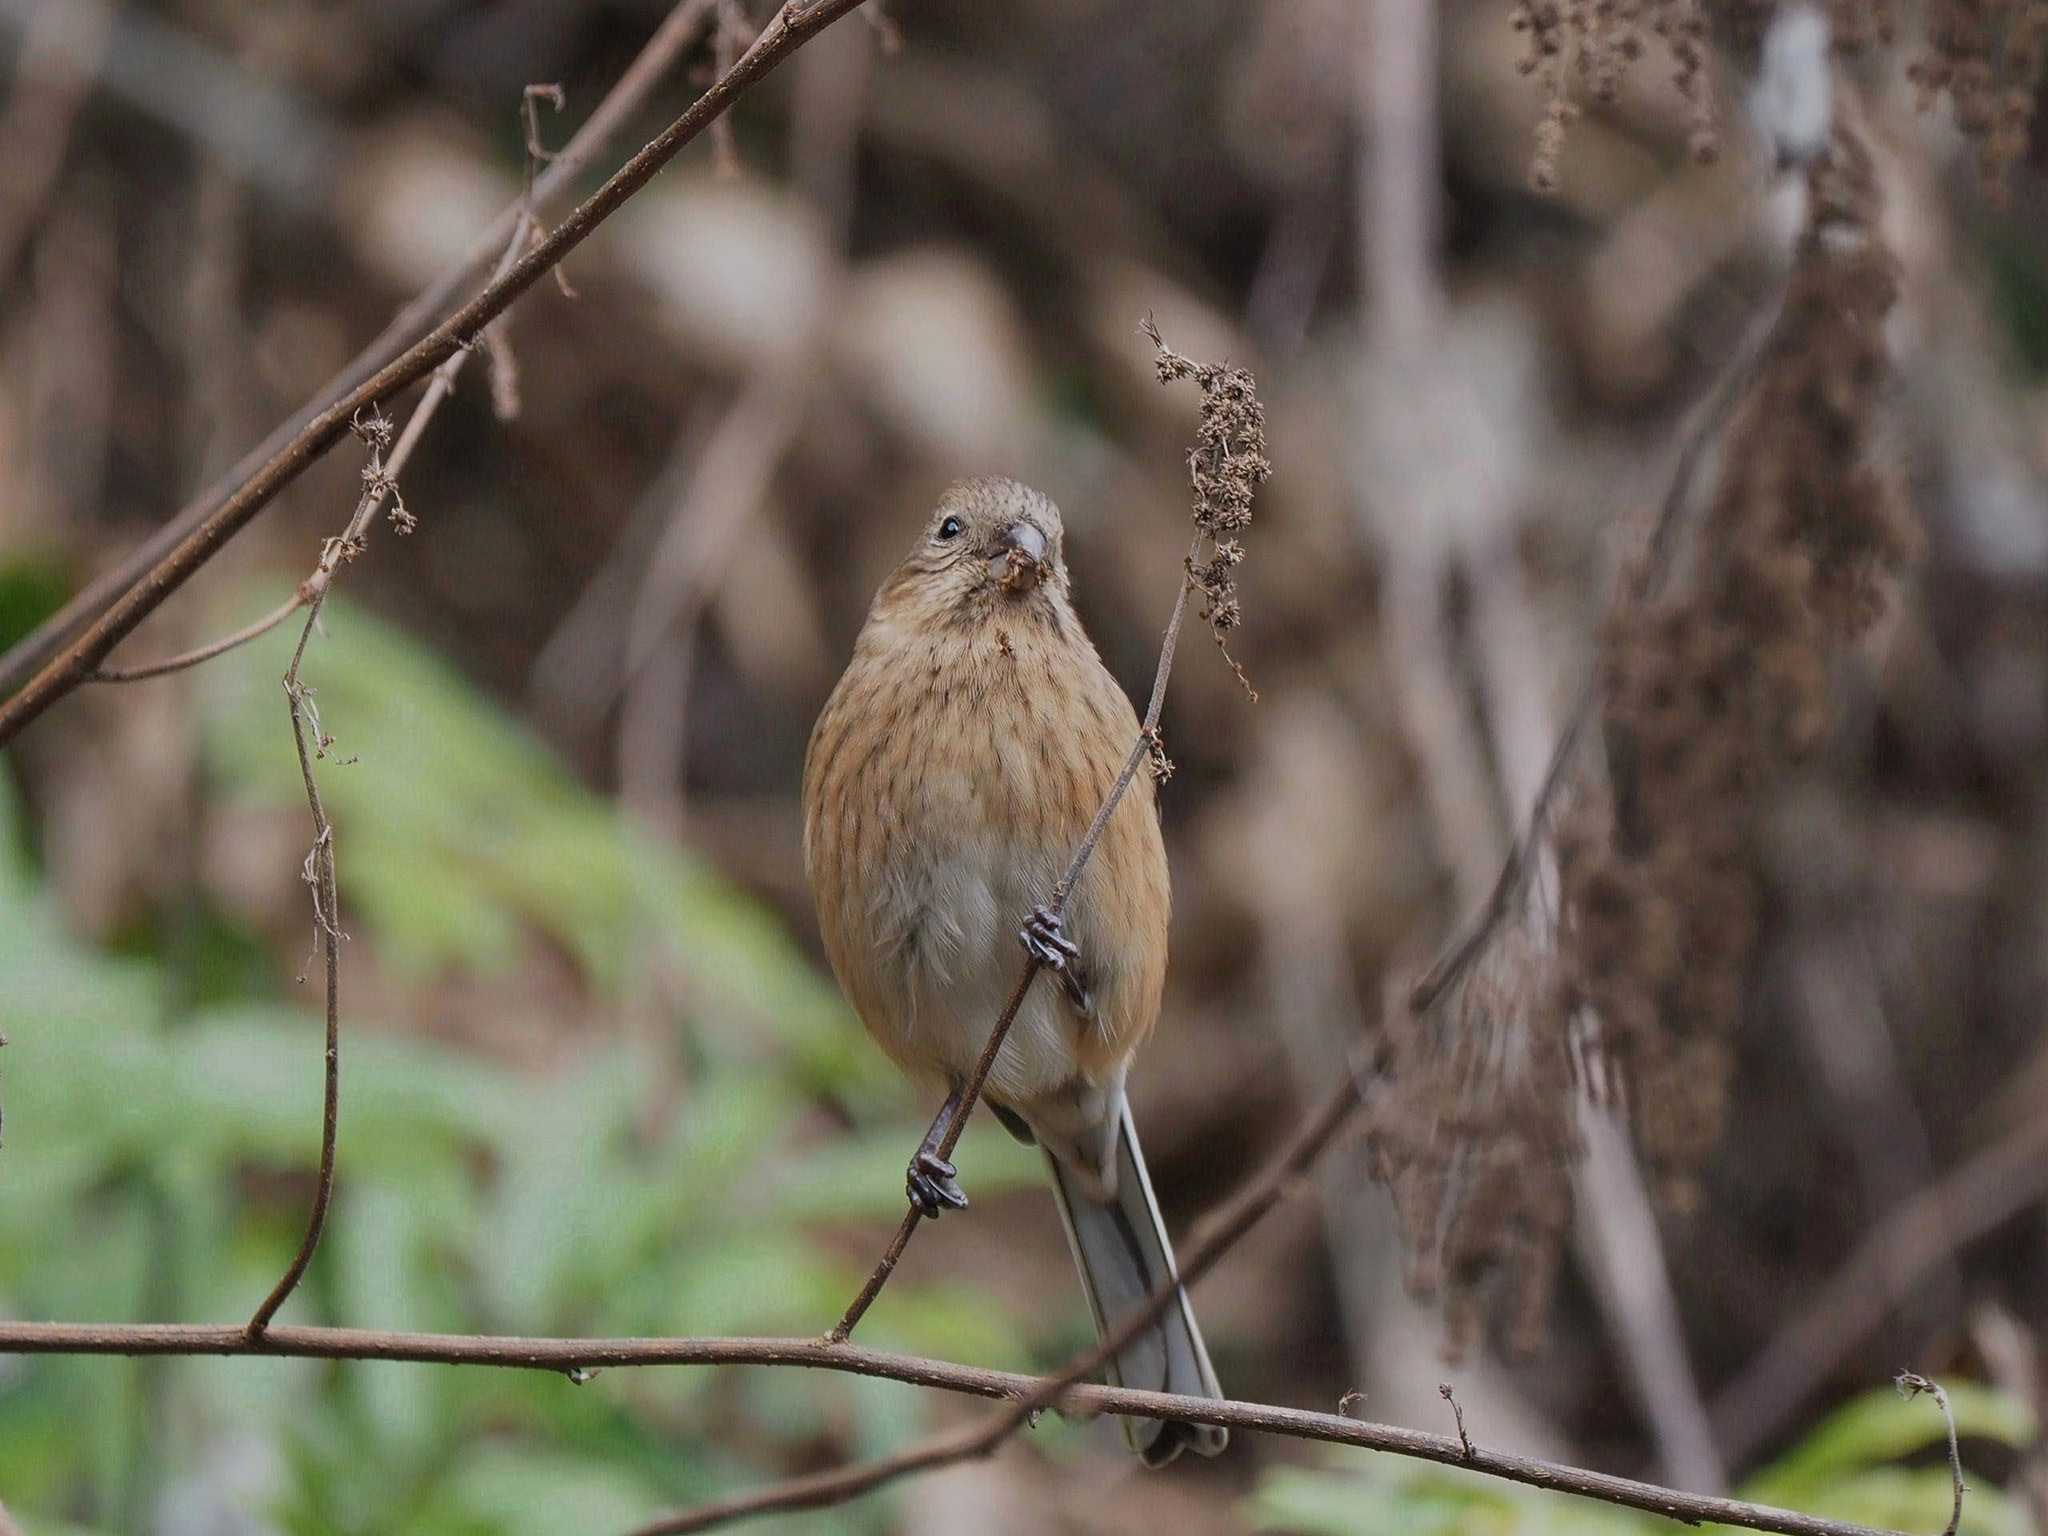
[(204, 653), (326, 919)]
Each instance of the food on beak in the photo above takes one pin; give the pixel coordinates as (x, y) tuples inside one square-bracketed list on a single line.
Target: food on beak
[(1018, 564)]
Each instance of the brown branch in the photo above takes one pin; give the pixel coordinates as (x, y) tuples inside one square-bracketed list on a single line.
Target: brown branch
[(792, 26), (1236, 1219), (1458, 1414), (568, 1356), (649, 66), (985, 1063), (564, 1356)]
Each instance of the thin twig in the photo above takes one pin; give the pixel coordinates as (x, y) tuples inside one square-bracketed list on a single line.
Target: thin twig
[(1911, 1384), (380, 485), (564, 1357), (1065, 1390), (326, 920), (142, 671), (792, 26), (1444, 1389), (985, 1063)]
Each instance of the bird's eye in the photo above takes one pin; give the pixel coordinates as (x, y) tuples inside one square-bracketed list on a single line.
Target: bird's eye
[(950, 528)]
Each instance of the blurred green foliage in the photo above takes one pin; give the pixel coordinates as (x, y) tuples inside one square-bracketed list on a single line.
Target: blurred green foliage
[(162, 1120), (1879, 1460)]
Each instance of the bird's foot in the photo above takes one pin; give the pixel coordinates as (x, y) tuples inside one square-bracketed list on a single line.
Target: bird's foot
[(1046, 941), (933, 1184)]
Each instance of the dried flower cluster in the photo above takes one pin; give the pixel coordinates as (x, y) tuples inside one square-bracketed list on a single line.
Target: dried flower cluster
[(1477, 1142), (1986, 55), (1714, 679), (1593, 42), (1226, 466), (1618, 955)]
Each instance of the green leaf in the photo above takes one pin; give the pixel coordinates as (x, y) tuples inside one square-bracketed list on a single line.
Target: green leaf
[(1881, 1426)]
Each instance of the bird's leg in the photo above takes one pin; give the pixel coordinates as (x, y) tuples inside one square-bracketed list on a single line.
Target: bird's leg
[(1046, 941), (931, 1181)]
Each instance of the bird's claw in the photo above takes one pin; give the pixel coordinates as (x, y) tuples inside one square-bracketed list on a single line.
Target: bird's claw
[(1045, 941), (933, 1185)]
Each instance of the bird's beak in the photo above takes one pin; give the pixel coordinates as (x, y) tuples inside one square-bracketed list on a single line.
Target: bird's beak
[(1019, 561)]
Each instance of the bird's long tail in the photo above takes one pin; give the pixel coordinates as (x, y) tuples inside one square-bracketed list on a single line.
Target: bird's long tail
[(1122, 1252)]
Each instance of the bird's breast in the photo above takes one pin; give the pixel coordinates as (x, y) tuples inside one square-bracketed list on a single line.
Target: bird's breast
[(952, 778)]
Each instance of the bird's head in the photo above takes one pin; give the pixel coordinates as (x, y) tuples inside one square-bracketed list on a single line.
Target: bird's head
[(991, 546)]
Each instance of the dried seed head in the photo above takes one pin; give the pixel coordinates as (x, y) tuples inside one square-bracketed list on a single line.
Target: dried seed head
[(1623, 977), (1985, 55), (1226, 467)]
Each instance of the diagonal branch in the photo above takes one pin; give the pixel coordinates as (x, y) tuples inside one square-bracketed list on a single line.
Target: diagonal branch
[(199, 655), (668, 43), (793, 25)]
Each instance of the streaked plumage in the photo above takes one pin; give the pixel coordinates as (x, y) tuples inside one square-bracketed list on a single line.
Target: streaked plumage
[(949, 778)]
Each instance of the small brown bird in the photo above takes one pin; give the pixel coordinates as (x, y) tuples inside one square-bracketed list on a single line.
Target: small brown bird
[(949, 779)]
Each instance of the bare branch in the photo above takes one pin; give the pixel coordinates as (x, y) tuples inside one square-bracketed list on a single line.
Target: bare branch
[(1457, 1413), (566, 1356), (670, 40), (792, 26), (326, 920)]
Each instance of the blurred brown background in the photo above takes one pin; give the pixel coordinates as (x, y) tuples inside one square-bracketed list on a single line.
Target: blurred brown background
[(925, 253)]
